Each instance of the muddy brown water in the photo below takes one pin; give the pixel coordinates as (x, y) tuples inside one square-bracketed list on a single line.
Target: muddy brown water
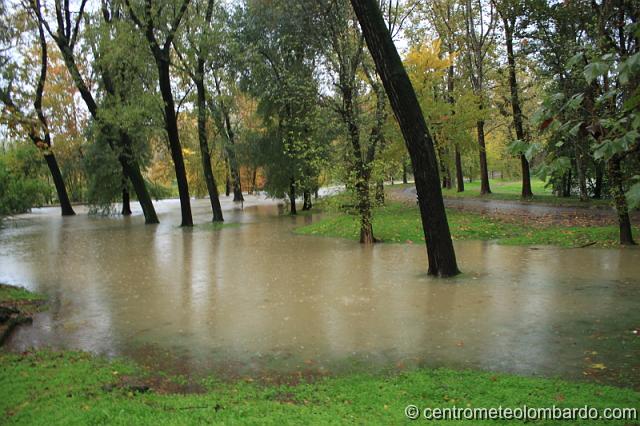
[(253, 298)]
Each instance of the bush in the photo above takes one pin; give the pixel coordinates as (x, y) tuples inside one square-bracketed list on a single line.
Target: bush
[(22, 183)]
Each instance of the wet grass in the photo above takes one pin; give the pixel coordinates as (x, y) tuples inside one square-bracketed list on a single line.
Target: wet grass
[(508, 190), (76, 388), (399, 222), (9, 294)]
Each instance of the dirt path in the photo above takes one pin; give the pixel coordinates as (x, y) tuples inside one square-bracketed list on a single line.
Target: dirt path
[(526, 211)]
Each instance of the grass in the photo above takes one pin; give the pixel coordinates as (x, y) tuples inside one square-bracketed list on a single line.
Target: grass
[(511, 190), (51, 388), (19, 297), (397, 222)]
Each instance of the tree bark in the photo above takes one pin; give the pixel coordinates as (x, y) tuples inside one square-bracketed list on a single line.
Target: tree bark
[(171, 127), (509, 24), (440, 252), (380, 192), (306, 203), (620, 200), (404, 172), (459, 176), (205, 155), (484, 170), (597, 190), (58, 181), (292, 197), (126, 204)]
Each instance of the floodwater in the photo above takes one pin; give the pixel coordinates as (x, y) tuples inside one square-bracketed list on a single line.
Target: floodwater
[(254, 298)]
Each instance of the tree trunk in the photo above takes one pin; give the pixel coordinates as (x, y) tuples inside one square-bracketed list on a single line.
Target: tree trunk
[(126, 204), (227, 180), (515, 104), (597, 190), (440, 252), (306, 197), (292, 197), (230, 146), (484, 170), (404, 171), (171, 126), (126, 199), (581, 169), (205, 156), (58, 181), (620, 200), (459, 176), (131, 169), (254, 178), (380, 192), (567, 188)]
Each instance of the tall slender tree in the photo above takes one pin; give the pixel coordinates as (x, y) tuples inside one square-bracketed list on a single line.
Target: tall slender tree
[(440, 252), (153, 21)]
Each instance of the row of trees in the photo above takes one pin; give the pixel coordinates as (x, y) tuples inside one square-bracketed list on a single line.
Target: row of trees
[(296, 94)]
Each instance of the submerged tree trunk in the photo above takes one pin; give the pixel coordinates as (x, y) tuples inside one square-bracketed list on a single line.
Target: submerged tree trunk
[(126, 199), (459, 176), (205, 155), (441, 255), (171, 126), (58, 181), (131, 170), (620, 200), (484, 170), (292, 197)]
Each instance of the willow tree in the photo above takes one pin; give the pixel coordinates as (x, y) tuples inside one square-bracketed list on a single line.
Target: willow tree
[(65, 35), (440, 252)]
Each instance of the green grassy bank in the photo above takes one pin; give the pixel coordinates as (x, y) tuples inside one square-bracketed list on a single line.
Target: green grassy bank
[(76, 388), (400, 222)]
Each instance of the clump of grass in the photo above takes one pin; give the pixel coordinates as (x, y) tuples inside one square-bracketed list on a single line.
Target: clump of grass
[(11, 294)]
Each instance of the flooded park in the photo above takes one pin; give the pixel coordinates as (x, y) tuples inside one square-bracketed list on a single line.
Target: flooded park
[(251, 298)]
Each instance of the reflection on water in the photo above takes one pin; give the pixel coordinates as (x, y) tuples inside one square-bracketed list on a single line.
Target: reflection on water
[(254, 297)]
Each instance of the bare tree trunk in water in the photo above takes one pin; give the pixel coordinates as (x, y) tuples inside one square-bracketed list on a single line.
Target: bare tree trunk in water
[(58, 181), (306, 197), (380, 192), (254, 177), (205, 155), (459, 176), (126, 204), (292, 197), (620, 200), (441, 255), (227, 180), (484, 170)]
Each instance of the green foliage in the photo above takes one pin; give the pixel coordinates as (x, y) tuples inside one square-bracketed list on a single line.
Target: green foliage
[(23, 182)]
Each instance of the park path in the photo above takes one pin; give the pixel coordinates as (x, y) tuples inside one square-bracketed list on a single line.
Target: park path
[(518, 210)]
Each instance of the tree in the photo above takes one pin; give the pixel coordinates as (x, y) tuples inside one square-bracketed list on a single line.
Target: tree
[(38, 131), (197, 41), (153, 21), (479, 40), (509, 10), (441, 255), (65, 37)]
